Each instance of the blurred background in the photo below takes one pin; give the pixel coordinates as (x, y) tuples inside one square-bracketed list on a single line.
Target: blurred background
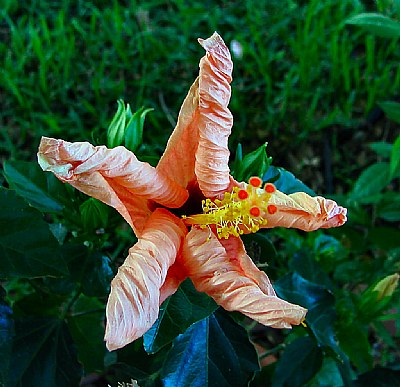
[(312, 78)]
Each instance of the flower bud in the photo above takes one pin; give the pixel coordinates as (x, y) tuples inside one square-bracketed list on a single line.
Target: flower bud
[(386, 286)]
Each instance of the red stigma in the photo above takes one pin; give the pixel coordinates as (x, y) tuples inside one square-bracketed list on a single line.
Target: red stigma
[(269, 187), (272, 209), (255, 211), (255, 181), (243, 194)]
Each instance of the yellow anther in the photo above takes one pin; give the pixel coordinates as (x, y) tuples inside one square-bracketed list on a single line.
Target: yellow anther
[(242, 211)]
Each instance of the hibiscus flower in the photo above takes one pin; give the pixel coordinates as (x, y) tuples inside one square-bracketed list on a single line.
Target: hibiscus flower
[(188, 213)]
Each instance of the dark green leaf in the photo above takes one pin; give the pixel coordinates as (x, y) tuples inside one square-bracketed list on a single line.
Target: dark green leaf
[(385, 238), (392, 110), (328, 252), (28, 248), (41, 190), (91, 270), (6, 336), (376, 24), (395, 159), (300, 361), (213, 352), (353, 340), (353, 272), (379, 377), (382, 148), (321, 314), (87, 330), (285, 181), (255, 163), (388, 207), (304, 263), (370, 183), (185, 307), (94, 214), (259, 247), (43, 354), (328, 375)]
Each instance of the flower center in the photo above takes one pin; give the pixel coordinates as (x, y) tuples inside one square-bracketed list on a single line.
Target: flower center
[(242, 211)]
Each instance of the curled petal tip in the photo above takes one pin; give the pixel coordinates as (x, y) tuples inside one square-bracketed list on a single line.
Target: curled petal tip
[(302, 211), (335, 215)]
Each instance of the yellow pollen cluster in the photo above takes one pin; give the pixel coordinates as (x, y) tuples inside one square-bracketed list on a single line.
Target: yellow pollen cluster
[(242, 211)]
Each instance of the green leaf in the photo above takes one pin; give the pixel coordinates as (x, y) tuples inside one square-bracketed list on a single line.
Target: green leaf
[(300, 361), (304, 263), (353, 340), (185, 307), (388, 207), (391, 109), (395, 159), (285, 181), (255, 163), (321, 314), (134, 129), (6, 336), (41, 190), (213, 352), (328, 375), (91, 270), (43, 354), (385, 238), (94, 214), (259, 247), (370, 183), (379, 377), (376, 24), (87, 330), (381, 148), (27, 247)]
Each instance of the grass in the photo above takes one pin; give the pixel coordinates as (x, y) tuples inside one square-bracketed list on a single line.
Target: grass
[(64, 65)]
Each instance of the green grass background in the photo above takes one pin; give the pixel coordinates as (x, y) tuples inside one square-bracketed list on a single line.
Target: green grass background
[(303, 72)]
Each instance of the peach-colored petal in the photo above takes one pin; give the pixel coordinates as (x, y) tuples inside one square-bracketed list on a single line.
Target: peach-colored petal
[(302, 211), (179, 155), (198, 146), (233, 286), (236, 252), (134, 300), (175, 276), (216, 121), (114, 176)]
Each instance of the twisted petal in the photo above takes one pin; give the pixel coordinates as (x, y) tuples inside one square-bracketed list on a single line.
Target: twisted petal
[(134, 300), (305, 212), (198, 147), (212, 154), (233, 282), (114, 176)]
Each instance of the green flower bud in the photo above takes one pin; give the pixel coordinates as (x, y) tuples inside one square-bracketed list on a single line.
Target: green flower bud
[(115, 132), (386, 286)]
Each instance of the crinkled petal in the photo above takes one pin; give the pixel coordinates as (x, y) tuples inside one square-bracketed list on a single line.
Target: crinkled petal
[(216, 120), (198, 147), (302, 211), (232, 283), (114, 176), (134, 300), (236, 252)]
